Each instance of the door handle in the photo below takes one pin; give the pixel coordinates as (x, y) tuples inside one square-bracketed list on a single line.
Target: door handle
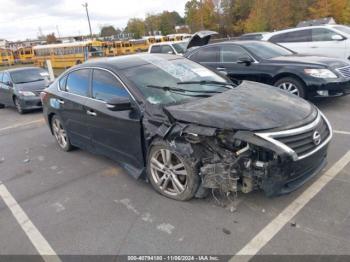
[(221, 68), (91, 113), (314, 46), (60, 101)]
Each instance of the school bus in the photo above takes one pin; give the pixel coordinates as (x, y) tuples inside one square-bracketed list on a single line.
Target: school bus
[(178, 37), (67, 54), (25, 55), (6, 57), (108, 48), (139, 45)]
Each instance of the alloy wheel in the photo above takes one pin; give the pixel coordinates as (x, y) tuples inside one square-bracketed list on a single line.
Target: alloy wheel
[(18, 106), (59, 133), (169, 172), (290, 87)]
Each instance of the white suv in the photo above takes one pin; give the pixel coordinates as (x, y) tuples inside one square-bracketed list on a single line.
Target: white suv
[(175, 48), (324, 40)]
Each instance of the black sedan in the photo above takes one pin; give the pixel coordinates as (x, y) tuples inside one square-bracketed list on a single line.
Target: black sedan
[(186, 128), (302, 75), (21, 88)]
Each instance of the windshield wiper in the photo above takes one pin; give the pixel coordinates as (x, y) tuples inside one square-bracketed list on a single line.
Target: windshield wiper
[(175, 89), (205, 82)]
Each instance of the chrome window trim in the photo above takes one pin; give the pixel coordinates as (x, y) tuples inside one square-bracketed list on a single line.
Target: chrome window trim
[(93, 67), (272, 135)]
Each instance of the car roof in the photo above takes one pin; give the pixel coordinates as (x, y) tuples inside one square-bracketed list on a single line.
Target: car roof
[(18, 69), (169, 42), (127, 61), (268, 35)]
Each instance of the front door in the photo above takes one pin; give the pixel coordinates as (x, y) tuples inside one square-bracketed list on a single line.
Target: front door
[(72, 111), (7, 89), (116, 134)]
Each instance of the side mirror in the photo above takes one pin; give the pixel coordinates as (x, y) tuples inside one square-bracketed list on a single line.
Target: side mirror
[(9, 83), (245, 60), (119, 104), (171, 53), (337, 38)]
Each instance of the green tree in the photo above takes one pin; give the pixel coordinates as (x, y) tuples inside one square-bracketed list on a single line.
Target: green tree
[(136, 26), (108, 31)]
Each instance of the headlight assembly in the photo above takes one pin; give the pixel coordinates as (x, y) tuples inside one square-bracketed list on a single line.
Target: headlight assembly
[(320, 73), (26, 93)]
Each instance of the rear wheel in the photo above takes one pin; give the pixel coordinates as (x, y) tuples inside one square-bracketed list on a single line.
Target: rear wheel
[(18, 106), (60, 134), (170, 174), (2, 106), (291, 85)]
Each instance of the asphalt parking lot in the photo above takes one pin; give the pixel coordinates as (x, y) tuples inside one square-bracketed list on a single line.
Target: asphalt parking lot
[(52, 202)]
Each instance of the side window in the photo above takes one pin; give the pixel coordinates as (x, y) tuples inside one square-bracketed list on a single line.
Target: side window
[(231, 53), (166, 49), (78, 82), (105, 86), (293, 37), (155, 49), (6, 78), (62, 83), (322, 34), (207, 54)]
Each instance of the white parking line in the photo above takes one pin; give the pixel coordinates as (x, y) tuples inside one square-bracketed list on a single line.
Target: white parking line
[(267, 233), (341, 132), (22, 124), (39, 242)]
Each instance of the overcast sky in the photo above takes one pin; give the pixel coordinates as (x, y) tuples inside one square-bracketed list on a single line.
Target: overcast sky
[(21, 19)]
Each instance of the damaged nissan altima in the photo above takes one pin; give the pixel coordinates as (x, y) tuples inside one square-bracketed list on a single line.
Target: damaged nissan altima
[(187, 129)]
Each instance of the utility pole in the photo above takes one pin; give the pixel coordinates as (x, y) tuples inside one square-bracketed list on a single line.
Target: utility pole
[(88, 17), (58, 32)]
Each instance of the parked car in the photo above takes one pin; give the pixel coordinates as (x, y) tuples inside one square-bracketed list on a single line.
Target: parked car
[(324, 40), (174, 48), (186, 127), (21, 87), (302, 75), (252, 36)]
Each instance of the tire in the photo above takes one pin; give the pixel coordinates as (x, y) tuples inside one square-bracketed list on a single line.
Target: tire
[(2, 106), (162, 174), (292, 85), (60, 134), (18, 106)]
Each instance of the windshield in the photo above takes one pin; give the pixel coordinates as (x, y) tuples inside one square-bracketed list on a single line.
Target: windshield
[(344, 29), (180, 47), (168, 75), (267, 50), (29, 75)]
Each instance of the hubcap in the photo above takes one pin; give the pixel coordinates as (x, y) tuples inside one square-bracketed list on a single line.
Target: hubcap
[(168, 172), (290, 87), (59, 133), (18, 105)]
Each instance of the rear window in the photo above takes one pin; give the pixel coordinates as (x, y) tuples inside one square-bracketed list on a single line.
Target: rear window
[(78, 82), (293, 37), (155, 49), (207, 55)]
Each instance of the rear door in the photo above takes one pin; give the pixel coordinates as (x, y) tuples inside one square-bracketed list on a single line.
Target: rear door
[(116, 134), (72, 108), (1, 91), (323, 43), (229, 62), (208, 56)]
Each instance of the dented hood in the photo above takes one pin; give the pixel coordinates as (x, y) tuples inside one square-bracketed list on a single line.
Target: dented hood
[(250, 106)]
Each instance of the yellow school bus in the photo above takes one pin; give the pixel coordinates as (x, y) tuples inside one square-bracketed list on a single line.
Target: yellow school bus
[(108, 48), (25, 55), (67, 54), (6, 57), (139, 45)]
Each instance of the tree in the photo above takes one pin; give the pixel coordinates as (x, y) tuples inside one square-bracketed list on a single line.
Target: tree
[(108, 31), (201, 15), (51, 38), (136, 26)]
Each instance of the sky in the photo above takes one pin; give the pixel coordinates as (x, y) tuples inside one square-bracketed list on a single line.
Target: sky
[(21, 19)]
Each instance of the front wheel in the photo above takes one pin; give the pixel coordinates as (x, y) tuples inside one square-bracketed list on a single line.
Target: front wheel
[(18, 105), (171, 174), (60, 134), (2, 106), (291, 85)]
